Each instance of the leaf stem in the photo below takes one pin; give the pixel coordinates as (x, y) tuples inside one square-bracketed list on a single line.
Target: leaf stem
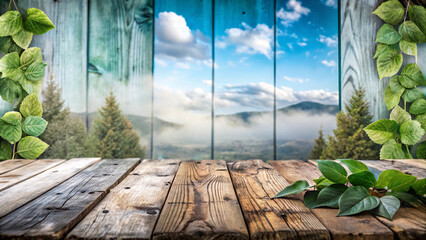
[(13, 151), (10, 4), (406, 10), (408, 150)]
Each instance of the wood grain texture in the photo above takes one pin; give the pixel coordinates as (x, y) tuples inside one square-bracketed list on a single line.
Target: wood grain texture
[(18, 195), (9, 165), (398, 165), (361, 226), (358, 68), (419, 163), (18, 175), (256, 183), (120, 57), (131, 209), (54, 213), (201, 205)]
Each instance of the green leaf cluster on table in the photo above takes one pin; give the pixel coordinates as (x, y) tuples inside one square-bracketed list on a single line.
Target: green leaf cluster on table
[(406, 126), (21, 73), (359, 191)]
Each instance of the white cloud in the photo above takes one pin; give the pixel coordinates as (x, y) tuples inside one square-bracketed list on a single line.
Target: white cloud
[(299, 80), (302, 44), (290, 46), (329, 41), (330, 63), (250, 40), (294, 13), (330, 3), (208, 82), (182, 65), (176, 41)]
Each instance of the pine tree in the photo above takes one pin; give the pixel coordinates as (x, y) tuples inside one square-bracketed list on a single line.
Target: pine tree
[(113, 135), (349, 140), (319, 146), (66, 135)]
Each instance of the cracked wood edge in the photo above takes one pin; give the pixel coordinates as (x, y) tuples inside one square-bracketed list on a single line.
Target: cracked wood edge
[(398, 165), (361, 226), (420, 163), (256, 183), (131, 209), (23, 192), (25, 172), (54, 213), (9, 165), (201, 204)]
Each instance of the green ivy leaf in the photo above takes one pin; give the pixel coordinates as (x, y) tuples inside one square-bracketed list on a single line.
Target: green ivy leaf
[(30, 56), (12, 133), (411, 76), (7, 45), (38, 22), (310, 198), (34, 126), (399, 115), (35, 71), (10, 23), (421, 150), (391, 12), (392, 150), (12, 117), (322, 182), (395, 85), (422, 120), (354, 166), (296, 187), (9, 65), (418, 16), (411, 132), (418, 107), (31, 106), (333, 171), (395, 180), (5, 150), (388, 64), (31, 147), (411, 33), (387, 35), (387, 207), (409, 198), (9, 90), (382, 130), (356, 199), (381, 48), (411, 95), (23, 38), (29, 86), (329, 196), (408, 48), (364, 178), (419, 186), (392, 99)]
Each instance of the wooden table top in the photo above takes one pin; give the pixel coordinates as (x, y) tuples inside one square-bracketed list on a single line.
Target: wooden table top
[(171, 199)]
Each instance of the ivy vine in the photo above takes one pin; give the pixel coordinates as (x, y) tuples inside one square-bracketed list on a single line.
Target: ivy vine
[(21, 74), (407, 124)]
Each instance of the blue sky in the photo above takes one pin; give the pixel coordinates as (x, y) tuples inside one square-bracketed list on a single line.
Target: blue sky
[(306, 54)]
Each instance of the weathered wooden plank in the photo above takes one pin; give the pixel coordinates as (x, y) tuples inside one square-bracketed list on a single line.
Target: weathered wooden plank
[(120, 58), (419, 163), (398, 165), (201, 205), (54, 213), (9, 165), (361, 226), (255, 183), (131, 209), (18, 195), (18, 175)]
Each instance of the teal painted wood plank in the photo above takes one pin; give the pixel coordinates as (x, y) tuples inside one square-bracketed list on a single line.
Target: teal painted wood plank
[(120, 59), (64, 48)]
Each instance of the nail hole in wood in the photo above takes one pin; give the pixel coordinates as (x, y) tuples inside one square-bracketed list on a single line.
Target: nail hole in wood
[(105, 211), (127, 188), (151, 212), (83, 191), (91, 192)]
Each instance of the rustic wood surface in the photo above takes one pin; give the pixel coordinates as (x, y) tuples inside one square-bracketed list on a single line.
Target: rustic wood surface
[(166, 199), (201, 205), (16, 196), (20, 174), (131, 209), (256, 183), (58, 210), (405, 168), (361, 226), (420, 163), (9, 165)]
